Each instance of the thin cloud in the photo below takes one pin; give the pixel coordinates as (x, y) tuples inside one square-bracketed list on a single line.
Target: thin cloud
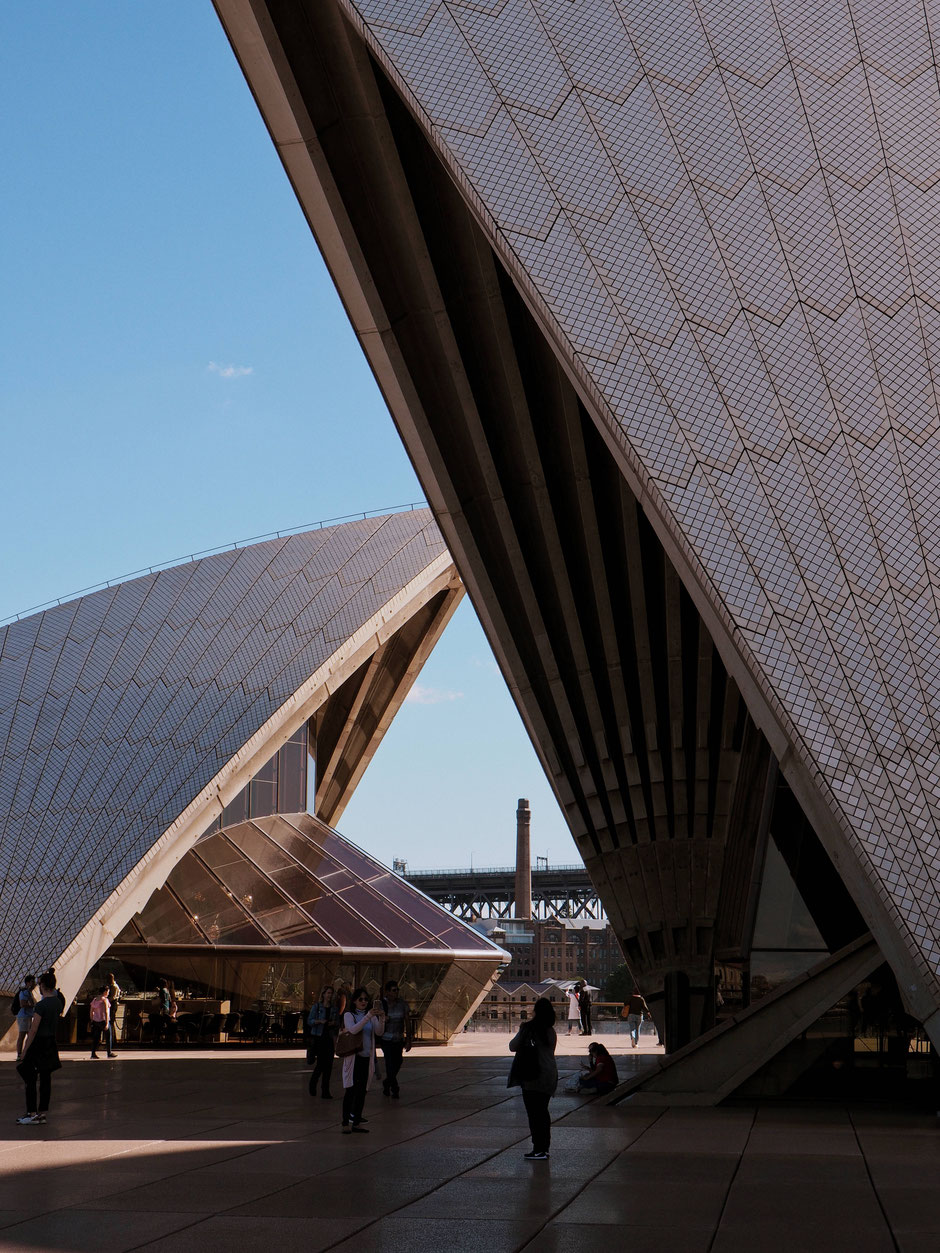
[(230, 371), (487, 664), (430, 695)]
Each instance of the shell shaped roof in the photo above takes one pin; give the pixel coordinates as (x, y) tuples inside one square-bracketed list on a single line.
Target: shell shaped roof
[(726, 215), (117, 709)]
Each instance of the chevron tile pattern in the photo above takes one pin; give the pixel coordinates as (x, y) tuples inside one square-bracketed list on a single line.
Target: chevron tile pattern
[(728, 216)]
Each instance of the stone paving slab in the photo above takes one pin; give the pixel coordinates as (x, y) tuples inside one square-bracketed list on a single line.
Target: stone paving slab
[(564, 1237), (181, 1153)]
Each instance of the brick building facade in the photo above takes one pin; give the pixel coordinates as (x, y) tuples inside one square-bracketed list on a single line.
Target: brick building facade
[(555, 949)]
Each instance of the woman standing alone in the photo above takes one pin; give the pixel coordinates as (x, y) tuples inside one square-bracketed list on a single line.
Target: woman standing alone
[(535, 1041), (358, 1067)]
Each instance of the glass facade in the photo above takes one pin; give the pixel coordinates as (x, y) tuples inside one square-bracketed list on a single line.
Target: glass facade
[(279, 787), (242, 998), (804, 913), (289, 881), (259, 916), (864, 1046)]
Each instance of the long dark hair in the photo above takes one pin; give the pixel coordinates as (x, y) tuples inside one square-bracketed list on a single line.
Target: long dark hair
[(543, 1016)]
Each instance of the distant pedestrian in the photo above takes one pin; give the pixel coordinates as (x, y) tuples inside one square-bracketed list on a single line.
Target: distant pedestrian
[(360, 1019), (584, 1004), (114, 999), (601, 1076), (40, 1054), (635, 1010), (396, 1038), (322, 1026), (574, 1009), (100, 1015), (25, 1002), (535, 1070), (160, 1014)]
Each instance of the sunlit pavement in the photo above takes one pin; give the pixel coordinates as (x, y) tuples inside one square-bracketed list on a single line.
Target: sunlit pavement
[(205, 1151)]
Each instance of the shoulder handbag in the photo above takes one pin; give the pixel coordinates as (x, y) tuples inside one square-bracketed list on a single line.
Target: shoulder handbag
[(525, 1062), (347, 1043)]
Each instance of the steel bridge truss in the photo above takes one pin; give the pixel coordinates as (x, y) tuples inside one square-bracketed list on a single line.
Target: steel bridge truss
[(564, 892)]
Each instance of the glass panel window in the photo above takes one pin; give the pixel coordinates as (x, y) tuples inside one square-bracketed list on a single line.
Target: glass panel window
[(259, 849), (213, 910), (771, 969), (164, 921), (262, 798), (236, 810), (292, 776), (399, 929), (344, 926), (783, 920)]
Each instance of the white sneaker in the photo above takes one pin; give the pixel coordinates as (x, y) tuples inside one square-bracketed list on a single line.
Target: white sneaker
[(29, 1119)]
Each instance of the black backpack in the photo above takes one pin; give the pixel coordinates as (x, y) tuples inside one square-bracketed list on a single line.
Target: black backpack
[(15, 1004)]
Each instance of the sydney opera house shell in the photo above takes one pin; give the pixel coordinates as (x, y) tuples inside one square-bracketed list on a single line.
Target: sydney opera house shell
[(175, 751), (652, 290)]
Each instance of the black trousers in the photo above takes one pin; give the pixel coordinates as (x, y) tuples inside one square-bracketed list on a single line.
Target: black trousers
[(29, 1075), (101, 1031), (540, 1121), (586, 1020), (354, 1098), (323, 1052), (392, 1051)]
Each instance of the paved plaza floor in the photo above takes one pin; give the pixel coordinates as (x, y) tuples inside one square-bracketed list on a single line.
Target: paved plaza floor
[(193, 1153)]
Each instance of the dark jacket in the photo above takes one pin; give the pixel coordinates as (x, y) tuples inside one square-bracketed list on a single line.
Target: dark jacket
[(546, 1080)]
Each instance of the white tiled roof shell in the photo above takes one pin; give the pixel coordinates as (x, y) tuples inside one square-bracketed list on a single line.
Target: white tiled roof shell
[(117, 709), (729, 213)]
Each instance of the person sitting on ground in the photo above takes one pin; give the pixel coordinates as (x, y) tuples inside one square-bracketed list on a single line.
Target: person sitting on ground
[(601, 1074)]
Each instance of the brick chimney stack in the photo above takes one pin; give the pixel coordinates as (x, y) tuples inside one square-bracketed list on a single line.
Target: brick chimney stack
[(523, 862)]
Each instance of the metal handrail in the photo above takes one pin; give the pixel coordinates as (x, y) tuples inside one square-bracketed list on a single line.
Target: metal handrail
[(211, 552)]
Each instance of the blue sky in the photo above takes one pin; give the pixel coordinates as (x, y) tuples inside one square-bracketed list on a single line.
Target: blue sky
[(177, 373)]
